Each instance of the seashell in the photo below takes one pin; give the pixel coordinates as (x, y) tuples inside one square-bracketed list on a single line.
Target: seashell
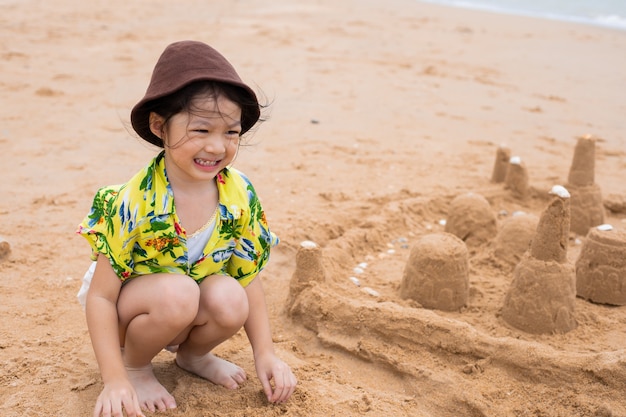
[(560, 191), (604, 227), (369, 291), (308, 244)]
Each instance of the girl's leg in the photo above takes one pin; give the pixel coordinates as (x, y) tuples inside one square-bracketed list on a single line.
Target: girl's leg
[(222, 312), (153, 310)]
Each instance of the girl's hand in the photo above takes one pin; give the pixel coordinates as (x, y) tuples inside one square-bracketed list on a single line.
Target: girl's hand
[(114, 398), (269, 368)]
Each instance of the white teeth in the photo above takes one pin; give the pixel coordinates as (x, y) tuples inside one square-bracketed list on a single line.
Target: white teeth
[(206, 163)]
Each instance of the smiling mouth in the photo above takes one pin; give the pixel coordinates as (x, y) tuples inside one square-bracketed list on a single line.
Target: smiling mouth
[(206, 163)]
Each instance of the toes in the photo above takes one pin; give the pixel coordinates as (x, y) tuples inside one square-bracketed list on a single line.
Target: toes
[(160, 405), (239, 378)]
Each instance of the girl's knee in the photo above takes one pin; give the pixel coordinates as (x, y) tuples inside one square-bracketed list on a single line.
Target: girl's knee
[(164, 301), (225, 301), (168, 298), (179, 300)]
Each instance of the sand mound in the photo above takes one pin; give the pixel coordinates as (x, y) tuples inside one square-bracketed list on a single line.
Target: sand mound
[(385, 329)]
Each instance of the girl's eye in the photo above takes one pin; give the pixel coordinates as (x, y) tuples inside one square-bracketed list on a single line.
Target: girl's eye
[(233, 133)]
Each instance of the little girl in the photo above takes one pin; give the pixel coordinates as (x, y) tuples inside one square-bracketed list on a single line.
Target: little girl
[(177, 249)]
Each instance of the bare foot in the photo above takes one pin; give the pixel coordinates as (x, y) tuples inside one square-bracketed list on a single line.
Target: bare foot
[(216, 370), (151, 394)]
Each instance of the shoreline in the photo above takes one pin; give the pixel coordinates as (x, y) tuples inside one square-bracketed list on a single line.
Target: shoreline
[(607, 21)]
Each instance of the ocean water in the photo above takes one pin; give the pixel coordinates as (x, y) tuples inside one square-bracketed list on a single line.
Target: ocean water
[(608, 13)]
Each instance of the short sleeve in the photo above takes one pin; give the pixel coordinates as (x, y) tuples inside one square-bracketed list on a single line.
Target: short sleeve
[(102, 229), (252, 250)]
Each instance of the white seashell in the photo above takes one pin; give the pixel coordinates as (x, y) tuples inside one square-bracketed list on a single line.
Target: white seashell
[(560, 191), (604, 227), (518, 213), (308, 244), (391, 251), (515, 160), (362, 265), (442, 222), (577, 241), (355, 281), (358, 270), (369, 291)]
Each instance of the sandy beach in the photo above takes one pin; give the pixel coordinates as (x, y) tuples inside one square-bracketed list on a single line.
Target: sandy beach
[(381, 114)]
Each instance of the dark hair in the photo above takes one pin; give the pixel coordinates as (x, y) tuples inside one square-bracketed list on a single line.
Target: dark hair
[(182, 99)]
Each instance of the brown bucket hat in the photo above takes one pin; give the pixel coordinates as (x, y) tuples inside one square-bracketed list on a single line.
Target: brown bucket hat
[(180, 64)]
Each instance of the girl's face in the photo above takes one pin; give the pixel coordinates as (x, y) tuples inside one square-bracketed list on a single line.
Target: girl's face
[(201, 142)]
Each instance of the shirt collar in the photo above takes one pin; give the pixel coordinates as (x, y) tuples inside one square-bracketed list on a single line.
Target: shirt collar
[(163, 194), (229, 192)]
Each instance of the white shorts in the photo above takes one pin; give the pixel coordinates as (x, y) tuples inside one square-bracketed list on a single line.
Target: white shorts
[(82, 293)]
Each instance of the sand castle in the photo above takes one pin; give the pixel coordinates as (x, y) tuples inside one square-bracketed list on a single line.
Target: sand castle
[(543, 291), (436, 274), (5, 248), (471, 219), (586, 201), (514, 237), (309, 269), (516, 178), (500, 166), (601, 266)]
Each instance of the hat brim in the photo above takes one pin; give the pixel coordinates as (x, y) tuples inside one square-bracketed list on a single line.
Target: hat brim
[(140, 114), (181, 64)]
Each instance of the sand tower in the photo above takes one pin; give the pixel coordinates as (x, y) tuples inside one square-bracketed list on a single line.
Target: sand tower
[(503, 155), (437, 272), (516, 178), (309, 269), (471, 219), (543, 291), (601, 266), (586, 205), (5, 248), (514, 237)]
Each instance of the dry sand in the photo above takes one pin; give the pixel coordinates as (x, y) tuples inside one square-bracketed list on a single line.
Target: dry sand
[(383, 113)]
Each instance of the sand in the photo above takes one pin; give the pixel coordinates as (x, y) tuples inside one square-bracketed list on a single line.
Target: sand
[(382, 113)]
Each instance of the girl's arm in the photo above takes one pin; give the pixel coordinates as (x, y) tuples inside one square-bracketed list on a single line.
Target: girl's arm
[(102, 321), (268, 366)]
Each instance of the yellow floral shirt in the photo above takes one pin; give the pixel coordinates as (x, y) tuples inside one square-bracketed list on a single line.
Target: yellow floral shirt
[(135, 225)]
